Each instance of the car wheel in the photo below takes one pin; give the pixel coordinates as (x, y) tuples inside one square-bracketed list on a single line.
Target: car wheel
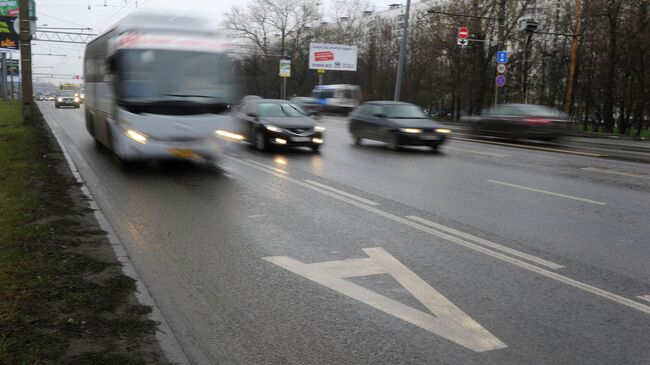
[(357, 140), (434, 147), (56, 106), (261, 143), (315, 148), (391, 142)]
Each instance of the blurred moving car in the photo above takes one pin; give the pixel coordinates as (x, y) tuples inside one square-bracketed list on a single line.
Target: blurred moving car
[(270, 122), (397, 124), (66, 98), (520, 121), (249, 97), (309, 104)]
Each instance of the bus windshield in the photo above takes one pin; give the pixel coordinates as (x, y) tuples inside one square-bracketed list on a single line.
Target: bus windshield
[(163, 75)]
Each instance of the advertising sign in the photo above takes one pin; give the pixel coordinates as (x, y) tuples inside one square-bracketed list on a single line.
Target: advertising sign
[(8, 33), (285, 68), (10, 8), (13, 68), (337, 57)]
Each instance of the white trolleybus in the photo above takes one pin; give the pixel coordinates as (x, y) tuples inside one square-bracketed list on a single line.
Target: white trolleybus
[(158, 87)]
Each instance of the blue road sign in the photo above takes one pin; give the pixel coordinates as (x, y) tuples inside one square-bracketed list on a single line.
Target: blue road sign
[(502, 57), (500, 81)]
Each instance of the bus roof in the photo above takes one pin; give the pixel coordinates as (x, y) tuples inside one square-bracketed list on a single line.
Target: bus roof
[(155, 21)]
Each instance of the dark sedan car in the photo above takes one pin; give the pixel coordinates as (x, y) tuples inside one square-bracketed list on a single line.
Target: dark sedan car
[(269, 122), (66, 98), (397, 124), (520, 121)]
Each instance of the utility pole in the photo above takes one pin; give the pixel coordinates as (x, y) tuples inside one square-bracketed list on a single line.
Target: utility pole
[(402, 52), (26, 61), (568, 101), (3, 76), (501, 16)]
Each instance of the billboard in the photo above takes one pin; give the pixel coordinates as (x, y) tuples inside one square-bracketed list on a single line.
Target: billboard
[(337, 57), (8, 33), (10, 8)]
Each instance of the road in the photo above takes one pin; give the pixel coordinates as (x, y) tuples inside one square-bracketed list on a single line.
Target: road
[(480, 254)]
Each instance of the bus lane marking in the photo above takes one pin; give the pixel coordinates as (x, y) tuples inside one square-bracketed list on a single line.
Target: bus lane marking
[(447, 321)]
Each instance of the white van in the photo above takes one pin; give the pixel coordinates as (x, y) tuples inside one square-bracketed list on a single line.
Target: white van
[(159, 87)]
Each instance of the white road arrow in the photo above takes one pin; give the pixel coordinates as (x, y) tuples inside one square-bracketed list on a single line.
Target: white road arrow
[(448, 320)]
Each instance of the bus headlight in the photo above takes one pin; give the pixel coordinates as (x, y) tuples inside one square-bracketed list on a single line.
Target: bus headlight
[(136, 136)]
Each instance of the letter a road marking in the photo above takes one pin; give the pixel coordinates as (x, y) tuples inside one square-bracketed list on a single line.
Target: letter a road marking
[(448, 320)]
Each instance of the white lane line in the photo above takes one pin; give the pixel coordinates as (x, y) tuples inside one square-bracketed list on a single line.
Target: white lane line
[(476, 152), (644, 297), (341, 192), (268, 167), (589, 154), (546, 192), (488, 243), (522, 264), (614, 172)]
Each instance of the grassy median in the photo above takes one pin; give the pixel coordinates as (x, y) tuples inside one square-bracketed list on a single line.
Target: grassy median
[(63, 297)]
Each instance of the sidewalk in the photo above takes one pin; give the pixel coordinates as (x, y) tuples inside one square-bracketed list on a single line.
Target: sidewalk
[(64, 298)]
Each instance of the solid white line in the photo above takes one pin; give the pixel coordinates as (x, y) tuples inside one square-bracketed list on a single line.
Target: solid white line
[(589, 154), (614, 172), (546, 192), (268, 167), (644, 297), (341, 192), (522, 264), (485, 242), (476, 152)]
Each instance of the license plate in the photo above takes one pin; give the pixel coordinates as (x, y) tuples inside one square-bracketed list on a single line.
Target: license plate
[(431, 137), (300, 139), (184, 153)]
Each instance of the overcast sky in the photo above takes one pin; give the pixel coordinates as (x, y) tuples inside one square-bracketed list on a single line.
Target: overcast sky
[(101, 14)]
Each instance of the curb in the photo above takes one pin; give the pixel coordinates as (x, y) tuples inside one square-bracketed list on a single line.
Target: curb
[(164, 334)]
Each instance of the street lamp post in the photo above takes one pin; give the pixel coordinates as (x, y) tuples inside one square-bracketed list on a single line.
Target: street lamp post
[(402, 53)]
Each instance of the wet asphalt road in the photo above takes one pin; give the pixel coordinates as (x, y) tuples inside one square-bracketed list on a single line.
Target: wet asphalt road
[(544, 255)]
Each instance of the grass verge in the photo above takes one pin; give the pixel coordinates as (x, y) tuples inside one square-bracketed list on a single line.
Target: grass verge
[(63, 296)]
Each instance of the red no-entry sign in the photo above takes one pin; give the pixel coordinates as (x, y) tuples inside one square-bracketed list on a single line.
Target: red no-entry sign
[(463, 33)]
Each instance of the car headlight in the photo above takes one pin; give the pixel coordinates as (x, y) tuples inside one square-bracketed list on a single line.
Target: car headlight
[(59, 99), (443, 130), (273, 128), (410, 130), (76, 100), (319, 128), (83, 96), (136, 136)]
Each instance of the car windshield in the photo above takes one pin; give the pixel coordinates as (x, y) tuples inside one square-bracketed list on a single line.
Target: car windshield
[(279, 110), (161, 75), (403, 111), (66, 93)]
